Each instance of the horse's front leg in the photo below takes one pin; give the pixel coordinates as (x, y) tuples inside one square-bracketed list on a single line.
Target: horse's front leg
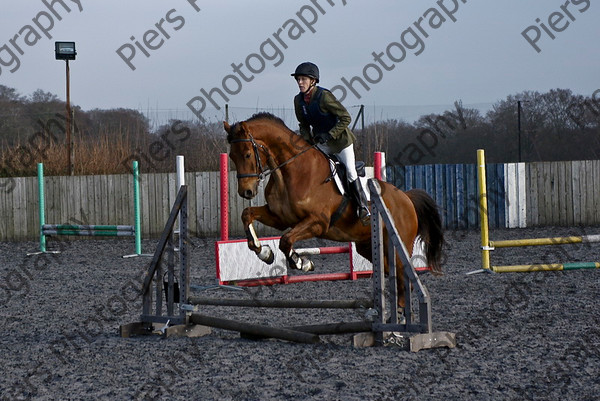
[(307, 228), (264, 215)]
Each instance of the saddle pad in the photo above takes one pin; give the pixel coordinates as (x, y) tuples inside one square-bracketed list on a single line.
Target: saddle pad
[(340, 185)]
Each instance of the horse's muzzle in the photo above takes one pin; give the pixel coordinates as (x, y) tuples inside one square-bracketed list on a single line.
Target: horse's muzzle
[(247, 193)]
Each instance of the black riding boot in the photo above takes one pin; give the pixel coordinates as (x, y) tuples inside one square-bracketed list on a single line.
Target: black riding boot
[(361, 202)]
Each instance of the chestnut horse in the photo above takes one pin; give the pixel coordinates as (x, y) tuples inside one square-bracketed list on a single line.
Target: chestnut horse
[(301, 197)]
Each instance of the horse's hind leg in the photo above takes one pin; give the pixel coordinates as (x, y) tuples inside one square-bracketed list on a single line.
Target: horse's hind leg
[(264, 215)]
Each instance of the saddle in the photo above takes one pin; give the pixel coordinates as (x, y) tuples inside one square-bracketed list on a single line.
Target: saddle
[(339, 175)]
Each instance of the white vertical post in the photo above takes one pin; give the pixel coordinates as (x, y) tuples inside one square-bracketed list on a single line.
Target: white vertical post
[(180, 169)]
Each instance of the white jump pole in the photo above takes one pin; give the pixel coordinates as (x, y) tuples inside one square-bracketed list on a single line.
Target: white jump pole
[(180, 170)]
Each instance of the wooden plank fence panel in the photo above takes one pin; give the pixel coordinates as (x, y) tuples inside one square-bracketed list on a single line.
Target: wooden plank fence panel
[(6, 214), (545, 194), (153, 198), (472, 197), (122, 199), (112, 206), (556, 197), (596, 195), (501, 195), (492, 195), (591, 200), (438, 193), (213, 206), (33, 218), (199, 204), (566, 189), (409, 177), (539, 200), (144, 204), (576, 191), (558, 193), (19, 211), (450, 179), (428, 179), (461, 199), (200, 222), (192, 200), (235, 211), (85, 210)]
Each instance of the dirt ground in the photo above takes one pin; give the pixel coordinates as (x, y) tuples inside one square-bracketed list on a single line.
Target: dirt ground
[(520, 336)]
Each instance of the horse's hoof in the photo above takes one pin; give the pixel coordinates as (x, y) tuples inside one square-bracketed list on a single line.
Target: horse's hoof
[(266, 254), (298, 263), (294, 261), (307, 265)]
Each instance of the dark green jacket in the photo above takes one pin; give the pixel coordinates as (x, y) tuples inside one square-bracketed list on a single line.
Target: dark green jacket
[(341, 134)]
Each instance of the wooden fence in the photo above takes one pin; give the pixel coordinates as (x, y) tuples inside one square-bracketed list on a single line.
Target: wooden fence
[(519, 194), (533, 194)]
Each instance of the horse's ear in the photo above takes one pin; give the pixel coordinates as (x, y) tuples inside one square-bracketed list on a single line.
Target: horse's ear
[(226, 126), (244, 127)]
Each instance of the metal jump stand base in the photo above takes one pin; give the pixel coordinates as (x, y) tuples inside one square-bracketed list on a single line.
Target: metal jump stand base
[(415, 332), (176, 321)]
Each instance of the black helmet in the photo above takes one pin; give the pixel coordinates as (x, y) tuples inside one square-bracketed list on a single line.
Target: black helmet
[(307, 69)]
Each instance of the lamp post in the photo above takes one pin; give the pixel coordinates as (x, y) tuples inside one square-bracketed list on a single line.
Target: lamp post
[(66, 51), (519, 110)]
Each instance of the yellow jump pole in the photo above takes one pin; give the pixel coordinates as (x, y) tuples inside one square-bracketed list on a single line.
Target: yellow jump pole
[(483, 210), (546, 267), (545, 241)]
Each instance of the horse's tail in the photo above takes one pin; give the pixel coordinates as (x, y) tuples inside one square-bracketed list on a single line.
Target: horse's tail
[(430, 227)]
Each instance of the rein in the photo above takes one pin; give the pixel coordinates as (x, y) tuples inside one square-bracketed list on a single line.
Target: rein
[(262, 172)]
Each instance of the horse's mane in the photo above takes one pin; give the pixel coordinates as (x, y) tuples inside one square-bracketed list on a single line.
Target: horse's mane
[(263, 115)]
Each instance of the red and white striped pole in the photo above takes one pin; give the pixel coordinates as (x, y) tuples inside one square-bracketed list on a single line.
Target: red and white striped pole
[(379, 166), (224, 166)]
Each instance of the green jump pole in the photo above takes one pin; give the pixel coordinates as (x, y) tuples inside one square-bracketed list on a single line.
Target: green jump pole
[(136, 208), (42, 206)]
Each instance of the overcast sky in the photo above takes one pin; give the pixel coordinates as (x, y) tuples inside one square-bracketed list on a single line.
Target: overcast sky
[(413, 56)]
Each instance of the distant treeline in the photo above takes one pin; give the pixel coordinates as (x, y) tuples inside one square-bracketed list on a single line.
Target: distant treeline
[(557, 125)]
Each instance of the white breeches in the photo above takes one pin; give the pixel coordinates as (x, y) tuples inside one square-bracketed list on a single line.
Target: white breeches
[(346, 156)]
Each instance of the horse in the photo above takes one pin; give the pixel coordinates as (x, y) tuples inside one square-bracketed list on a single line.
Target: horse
[(302, 199)]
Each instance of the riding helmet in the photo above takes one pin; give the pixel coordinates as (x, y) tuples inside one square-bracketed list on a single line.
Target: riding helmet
[(307, 69)]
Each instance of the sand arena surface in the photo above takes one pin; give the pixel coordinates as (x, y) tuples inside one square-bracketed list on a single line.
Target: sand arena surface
[(520, 336)]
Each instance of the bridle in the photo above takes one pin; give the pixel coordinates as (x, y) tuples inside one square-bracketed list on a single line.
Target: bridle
[(262, 171)]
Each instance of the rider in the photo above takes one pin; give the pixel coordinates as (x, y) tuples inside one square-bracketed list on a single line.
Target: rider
[(318, 108)]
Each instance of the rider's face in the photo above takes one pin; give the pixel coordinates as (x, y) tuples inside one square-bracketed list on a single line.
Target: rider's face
[(304, 83)]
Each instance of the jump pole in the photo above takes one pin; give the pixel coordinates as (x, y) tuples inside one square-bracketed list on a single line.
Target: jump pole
[(488, 245), (89, 230)]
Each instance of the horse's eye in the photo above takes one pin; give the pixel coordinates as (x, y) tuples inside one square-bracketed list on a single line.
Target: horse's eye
[(248, 155)]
